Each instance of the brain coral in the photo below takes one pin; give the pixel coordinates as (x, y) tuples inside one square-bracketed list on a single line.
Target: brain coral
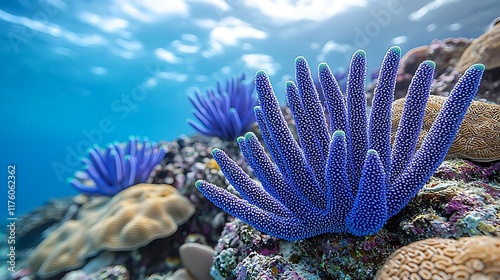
[(478, 138), (129, 220), (475, 257)]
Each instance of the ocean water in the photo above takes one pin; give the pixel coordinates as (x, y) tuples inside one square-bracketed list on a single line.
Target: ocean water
[(78, 73)]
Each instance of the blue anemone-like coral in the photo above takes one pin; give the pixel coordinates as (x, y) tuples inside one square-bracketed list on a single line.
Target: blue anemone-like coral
[(111, 170), (346, 177), (226, 113)]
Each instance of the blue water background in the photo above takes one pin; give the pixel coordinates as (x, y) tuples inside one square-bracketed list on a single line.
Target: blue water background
[(76, 73)]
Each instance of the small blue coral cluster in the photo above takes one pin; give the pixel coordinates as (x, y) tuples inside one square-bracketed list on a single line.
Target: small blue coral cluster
[(226, 113), (346, 177), (111, 170)]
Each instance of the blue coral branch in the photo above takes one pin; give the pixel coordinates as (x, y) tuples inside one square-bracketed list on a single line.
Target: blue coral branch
[(340, 194), (379, 127), (334, 99), (409, 127), (247, 188), (356, 131), (257, 217), (314, 111), (308, 139), (276, 156), (369, 211)]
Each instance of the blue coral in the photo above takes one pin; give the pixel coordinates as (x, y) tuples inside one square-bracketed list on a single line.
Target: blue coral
[(226, 113), (111, 170), (346, 177)]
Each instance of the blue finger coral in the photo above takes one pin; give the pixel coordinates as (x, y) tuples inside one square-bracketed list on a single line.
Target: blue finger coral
[(346, 177), (109, 171), (226, 113)]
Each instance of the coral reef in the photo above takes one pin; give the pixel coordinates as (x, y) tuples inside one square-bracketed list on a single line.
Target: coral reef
[(352, 182), (257, 266), (237, 241), (466, 258), (226, 113), (187, 160), (478, 138), (462, 199), (116, 168), (343, 256), (468, 171), (457, 184), (129, 220), (117, 272)]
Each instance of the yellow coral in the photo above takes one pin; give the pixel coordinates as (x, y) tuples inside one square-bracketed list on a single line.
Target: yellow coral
[(129, 220), (478, 138), (475, 257), (212, 164)]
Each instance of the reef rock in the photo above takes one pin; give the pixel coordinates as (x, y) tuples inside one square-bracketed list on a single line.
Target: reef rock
[(485, 49)]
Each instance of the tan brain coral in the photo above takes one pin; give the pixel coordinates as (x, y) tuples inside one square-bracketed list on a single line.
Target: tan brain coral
[(475, 257), (129, 220), (478, 138)]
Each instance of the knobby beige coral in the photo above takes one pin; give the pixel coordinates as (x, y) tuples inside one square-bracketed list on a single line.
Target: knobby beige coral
[(479, 136), (475, 257), (127, 221)]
